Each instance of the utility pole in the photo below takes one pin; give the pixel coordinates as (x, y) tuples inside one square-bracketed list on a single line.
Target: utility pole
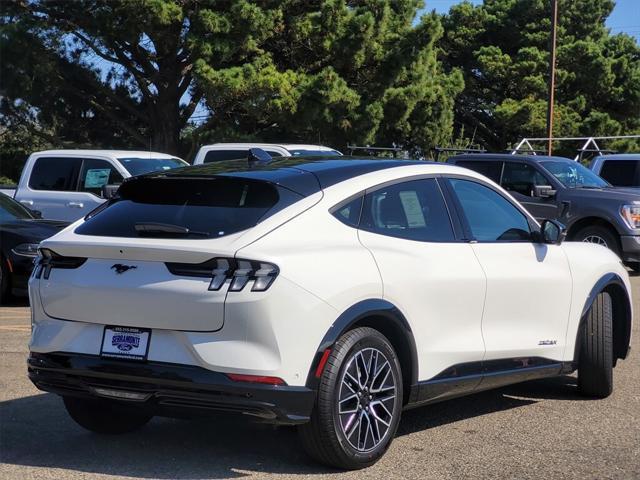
[(552, 74)]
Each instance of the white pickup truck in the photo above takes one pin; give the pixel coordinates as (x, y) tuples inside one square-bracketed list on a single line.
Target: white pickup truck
[(231, 151), (68, 184)]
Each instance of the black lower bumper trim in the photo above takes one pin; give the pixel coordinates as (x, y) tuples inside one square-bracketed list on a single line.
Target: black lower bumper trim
[(167, 389)]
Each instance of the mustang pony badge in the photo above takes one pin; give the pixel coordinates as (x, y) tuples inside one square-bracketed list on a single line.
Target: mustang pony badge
[(120, 268)]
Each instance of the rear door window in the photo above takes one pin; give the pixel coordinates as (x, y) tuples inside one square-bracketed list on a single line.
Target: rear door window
[(221, 155), (55, 174), (621, 173), (413, 210), (187, 208), (97, 173), (490, 169)]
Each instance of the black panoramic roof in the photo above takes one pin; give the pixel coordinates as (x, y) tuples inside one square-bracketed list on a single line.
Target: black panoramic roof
[(508, 156), (304, 175)]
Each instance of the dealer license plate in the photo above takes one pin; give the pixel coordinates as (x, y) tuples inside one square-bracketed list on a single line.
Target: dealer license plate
[(125, 342)]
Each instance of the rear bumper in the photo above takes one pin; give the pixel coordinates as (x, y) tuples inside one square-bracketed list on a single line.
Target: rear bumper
[(168, 389), (630, 248)]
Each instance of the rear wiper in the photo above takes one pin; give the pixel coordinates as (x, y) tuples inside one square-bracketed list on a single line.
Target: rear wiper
[(167, 228)]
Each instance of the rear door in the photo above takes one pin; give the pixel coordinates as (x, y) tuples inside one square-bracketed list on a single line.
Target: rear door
[(66, 188), (50, 185), (432, 276), (529, 284)]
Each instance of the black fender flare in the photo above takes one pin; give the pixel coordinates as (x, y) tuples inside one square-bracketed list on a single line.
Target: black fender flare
[(370, 308), (605, 281)]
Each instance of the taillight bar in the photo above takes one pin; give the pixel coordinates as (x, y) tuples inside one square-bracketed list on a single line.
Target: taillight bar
[(48, 259), (239, 271)]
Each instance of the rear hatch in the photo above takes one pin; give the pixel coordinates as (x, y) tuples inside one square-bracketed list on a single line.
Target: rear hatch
[(145, 260)]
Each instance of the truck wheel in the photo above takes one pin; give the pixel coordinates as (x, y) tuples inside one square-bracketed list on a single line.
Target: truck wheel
[(358, 404), (104, 416), (599, 235), (595, 365)]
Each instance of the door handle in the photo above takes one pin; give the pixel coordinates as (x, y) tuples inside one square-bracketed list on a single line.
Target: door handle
[(75, 204), (28, 203)]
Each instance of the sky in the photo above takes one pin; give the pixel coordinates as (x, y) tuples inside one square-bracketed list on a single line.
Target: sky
[(624, 18)]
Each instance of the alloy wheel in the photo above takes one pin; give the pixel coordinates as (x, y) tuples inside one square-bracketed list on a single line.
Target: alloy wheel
[(366, 400), (596, 239)]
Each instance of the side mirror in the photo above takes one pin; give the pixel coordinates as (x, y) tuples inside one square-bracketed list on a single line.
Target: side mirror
[(543, 191), (257, 156), (552, 232), (109, 191)]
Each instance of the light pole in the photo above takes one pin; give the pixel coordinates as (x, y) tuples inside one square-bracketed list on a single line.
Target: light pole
[(552, 74)]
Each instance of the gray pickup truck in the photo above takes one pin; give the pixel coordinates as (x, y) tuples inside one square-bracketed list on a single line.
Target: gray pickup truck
[(557, 188)]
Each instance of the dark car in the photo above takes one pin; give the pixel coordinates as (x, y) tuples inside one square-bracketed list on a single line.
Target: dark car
[(621, 170), (561, 189), (20, 233)]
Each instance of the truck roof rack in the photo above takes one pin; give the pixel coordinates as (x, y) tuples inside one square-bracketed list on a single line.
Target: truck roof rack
[(373, 150), (525, 145), (440, 150)]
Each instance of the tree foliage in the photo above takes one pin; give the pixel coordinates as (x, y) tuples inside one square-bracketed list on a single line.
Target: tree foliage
[(502, 46), (130, 73)]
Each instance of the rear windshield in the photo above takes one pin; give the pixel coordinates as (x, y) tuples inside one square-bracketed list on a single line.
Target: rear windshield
[(193, 208), (140, 166)]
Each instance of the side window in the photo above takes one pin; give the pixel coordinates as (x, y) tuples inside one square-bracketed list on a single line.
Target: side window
[(221, 155), (621, 173), (491, 169), (95, 174), (349, 213), (521, 178), (55, 174), (491, 217), (412, 210)]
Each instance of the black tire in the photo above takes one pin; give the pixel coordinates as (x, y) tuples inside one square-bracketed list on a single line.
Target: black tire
[(635, 266), (609, 238), (325, 437), (595, 367), (5, 282), (104, 416)]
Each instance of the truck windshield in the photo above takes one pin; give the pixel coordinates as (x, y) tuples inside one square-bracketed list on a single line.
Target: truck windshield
[(574, 175), (140, 166)]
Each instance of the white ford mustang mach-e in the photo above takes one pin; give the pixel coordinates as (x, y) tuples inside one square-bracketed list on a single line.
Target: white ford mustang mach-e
[(330, 293)]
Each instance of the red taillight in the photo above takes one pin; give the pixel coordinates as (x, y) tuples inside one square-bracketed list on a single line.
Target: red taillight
[(238, 377), (322, 362)]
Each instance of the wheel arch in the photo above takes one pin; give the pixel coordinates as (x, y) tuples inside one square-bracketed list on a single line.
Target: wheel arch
[(385, 317), (622, 314), (578, 225)]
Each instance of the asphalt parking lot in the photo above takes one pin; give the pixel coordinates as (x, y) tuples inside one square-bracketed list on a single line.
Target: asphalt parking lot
[(540, 429)]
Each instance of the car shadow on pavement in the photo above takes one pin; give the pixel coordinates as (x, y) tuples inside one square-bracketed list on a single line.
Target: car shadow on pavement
[(36, 431)]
